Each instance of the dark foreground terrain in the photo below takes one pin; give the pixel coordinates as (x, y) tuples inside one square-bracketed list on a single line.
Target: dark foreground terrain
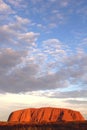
[(77, 125)]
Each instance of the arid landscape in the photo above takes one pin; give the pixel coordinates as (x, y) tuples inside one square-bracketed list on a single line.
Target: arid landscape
[(43, 64), (46, 118)]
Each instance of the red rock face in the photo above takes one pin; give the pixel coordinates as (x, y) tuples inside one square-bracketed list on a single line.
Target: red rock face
[(45, 115)]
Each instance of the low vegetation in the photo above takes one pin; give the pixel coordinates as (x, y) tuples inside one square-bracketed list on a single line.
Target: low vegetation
[(77, 125)]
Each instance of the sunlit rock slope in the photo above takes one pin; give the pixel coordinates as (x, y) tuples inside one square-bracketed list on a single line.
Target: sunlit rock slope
[(47, 114)]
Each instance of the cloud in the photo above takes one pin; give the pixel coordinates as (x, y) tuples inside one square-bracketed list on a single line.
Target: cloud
[(5, 8), (25, 73), (16, 33), (45, 68), (68, 94), (21, 20), (48, 19), (48, 67), (17, 3), (15, 73), (5, 12), (83, 43), (19, 24), (10, 58), (54, 47), (80, 102), (64, 3), (29, 37), (7, 35)]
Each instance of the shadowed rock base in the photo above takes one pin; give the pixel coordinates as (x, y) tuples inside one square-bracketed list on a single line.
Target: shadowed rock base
[(49, 126)]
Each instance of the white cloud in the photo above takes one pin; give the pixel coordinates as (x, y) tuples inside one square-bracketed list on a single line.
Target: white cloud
[(5, 8), (54, 49), (19, 24), (22, 20), (16, 33), (29, 37)]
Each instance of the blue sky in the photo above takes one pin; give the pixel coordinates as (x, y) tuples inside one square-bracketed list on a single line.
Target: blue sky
[(43, 54)]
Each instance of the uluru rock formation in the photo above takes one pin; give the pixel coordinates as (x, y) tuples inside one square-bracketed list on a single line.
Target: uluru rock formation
[(46, 114)]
